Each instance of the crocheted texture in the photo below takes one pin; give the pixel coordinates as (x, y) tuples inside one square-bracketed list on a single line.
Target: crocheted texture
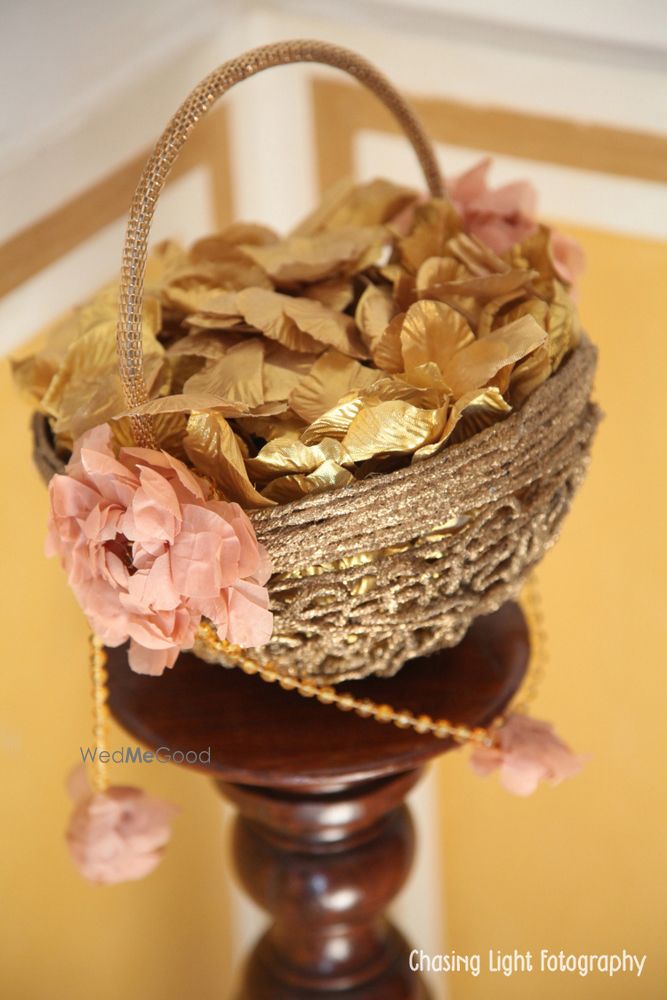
[(399, 565)]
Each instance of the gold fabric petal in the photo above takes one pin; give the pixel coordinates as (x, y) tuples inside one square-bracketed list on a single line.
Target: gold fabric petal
[(285, 456), (196, 286), (298, 323), (528, 374), (331, 377), (335, 422), (476, 256), (283, 370), (328, 476), (336, 293), (387, 354), (322, 255), (264, 310), (433, 331), (185, 402), (214, 450), (203, 344), (471, 413), (236, 376), (375, 310), (435, 223), (392, 427), (370, 204), (285, 424), (473, 366)]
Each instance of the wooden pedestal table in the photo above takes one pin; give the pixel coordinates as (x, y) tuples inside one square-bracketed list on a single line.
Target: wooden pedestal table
[(323, 839)]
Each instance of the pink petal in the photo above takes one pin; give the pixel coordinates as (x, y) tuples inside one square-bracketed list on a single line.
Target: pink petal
[(151, 661), (250, 624)]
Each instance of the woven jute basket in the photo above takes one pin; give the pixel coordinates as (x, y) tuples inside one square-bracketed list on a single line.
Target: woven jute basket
[(397, 565)]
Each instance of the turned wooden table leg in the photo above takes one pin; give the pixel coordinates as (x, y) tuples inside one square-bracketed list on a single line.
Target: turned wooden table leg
[(326, 866), (323, 839)]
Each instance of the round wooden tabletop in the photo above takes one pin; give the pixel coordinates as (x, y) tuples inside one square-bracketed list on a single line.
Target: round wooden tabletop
[(260, 735)]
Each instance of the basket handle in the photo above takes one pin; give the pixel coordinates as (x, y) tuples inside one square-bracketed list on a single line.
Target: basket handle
[(167, 148)]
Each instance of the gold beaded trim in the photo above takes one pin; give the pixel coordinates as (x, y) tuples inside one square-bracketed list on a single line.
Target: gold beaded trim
[(404, 719), (364, 707), (346, 702), (99, 677)]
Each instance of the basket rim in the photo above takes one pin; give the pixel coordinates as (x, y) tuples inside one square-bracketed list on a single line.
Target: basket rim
[(585, 353), (582, 357)]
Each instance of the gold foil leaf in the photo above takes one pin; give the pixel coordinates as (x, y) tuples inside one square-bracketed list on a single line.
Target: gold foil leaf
[(344, 204), (370, 204), (235, 376), (284, 456), (476, 256), (219, 246), (529, 374), (286, 425), (435, 222), (471, 413), (89, 400), (335, 422), (333, 197), (188, 402), (164, 260), (433, 331), (33, 375), (473, 366), (91, 358), (562, 326), (433, 281), (283, 370), (328, 476), (299, 324), (437, 272), (326, 325), (336, 293), (495, 313), (264, 310), (474, 411), (169, 430), (322, 255), (214, 450), (536, 252), (219, 305), (203, 344), (387, 353), (392, 427), (375, 310), (332, 376), (197, 285)]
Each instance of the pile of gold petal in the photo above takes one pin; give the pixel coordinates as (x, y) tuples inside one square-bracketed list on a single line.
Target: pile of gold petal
[(374, 335)]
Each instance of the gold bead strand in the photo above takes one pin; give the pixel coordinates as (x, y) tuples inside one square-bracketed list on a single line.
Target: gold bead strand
[(533, 610), (99, 677), (346, 702)]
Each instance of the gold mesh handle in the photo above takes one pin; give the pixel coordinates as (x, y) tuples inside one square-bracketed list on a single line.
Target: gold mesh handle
[(161, 160)]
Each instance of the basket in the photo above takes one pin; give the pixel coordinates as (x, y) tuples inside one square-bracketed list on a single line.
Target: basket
[(400, 564)]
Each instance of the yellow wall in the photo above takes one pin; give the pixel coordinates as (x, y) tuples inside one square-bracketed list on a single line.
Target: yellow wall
[(576, 867), (582, 867)]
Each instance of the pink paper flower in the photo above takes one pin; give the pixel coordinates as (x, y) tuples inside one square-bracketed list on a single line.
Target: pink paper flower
[(526, 751), (148, 553), (503, 216), (118, 835)]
